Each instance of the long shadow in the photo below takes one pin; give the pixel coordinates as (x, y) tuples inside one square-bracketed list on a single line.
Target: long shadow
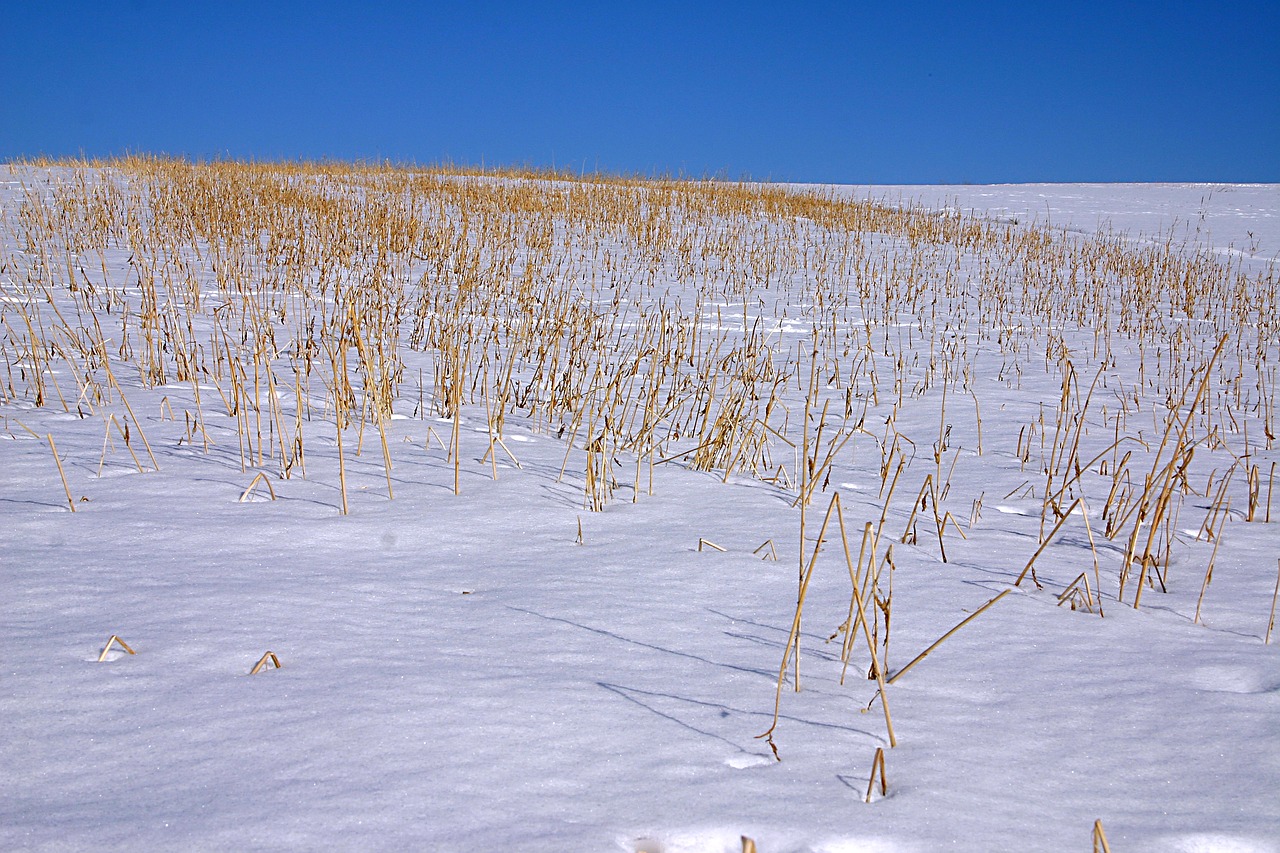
[(817, 648), (851, 782), (820, 639), (21, 501), (283, 498), (633, 694), (560, 496), (643, 644), (626, 693), (1164, 608), (810, 651)]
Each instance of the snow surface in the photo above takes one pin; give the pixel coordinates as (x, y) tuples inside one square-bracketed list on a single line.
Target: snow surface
[(1227, 219), (459, 673)]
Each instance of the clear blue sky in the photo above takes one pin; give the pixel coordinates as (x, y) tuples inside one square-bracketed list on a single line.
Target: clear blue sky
[(836, 92)]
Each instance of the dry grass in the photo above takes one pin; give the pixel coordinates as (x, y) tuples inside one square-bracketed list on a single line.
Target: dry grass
[(114, 640), (747, 330), (268, 658), (877, 771)]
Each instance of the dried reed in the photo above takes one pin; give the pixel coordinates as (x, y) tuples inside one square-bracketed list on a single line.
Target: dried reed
[(114, 640), (268, 657)]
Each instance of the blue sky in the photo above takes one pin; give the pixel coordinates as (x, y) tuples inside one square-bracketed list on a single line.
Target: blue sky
[(834, 92)]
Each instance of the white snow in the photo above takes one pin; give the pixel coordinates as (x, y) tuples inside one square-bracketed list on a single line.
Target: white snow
[(459, 673)]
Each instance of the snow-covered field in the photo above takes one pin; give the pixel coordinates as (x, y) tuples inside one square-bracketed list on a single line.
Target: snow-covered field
[(579, 650)]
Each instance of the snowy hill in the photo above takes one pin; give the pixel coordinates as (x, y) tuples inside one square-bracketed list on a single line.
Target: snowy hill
[(546, 465)]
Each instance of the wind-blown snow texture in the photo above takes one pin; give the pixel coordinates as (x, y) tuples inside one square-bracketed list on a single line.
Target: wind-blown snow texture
[(460, 674)]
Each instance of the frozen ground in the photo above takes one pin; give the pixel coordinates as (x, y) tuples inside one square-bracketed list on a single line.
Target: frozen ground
[(460, 672)]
